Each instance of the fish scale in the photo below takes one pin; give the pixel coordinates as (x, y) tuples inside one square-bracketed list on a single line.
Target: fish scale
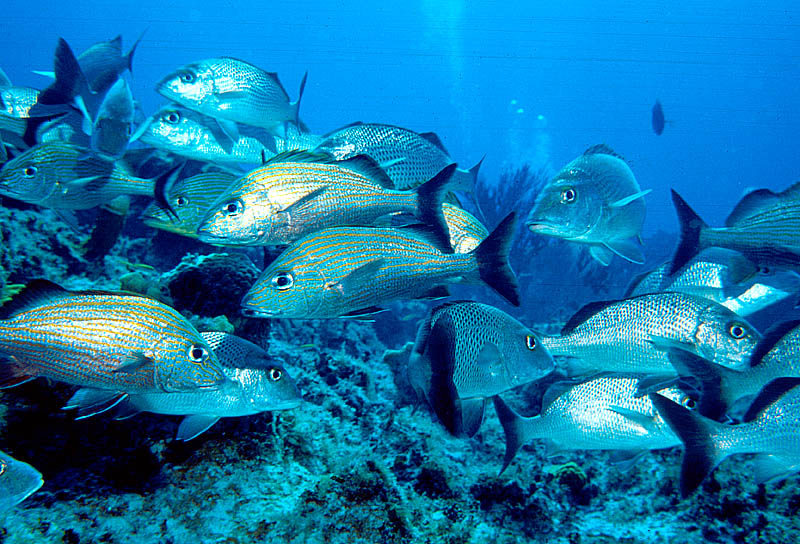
[(466, 232), (618, 337), (84, 339)]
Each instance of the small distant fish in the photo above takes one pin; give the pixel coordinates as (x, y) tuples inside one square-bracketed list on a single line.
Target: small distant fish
[(467, 352), (594, 200), (232, 91), (771, 431), (633, 335), (350, 271), (296, 193), (111, 129), (102, 339), (18, 481), (409, 158), (188, 201), (193, 135), (605, 413), (255, 383), (59, 175), (466, 232), (724, 276), (763, 227), (657, 118)]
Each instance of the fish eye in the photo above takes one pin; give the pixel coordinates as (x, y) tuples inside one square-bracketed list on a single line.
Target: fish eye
[(530, 342), (568, 195), (736, 330), (172, 117), (197, 353), (275, 374), (233, 208), (181, 201), (29, 171), (282, 281), (689, 403), (765, 271), (187, 77)]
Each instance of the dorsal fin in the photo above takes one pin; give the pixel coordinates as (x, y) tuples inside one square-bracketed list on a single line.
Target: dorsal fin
[(362, 164), (582, 315), (4, 81), (602, 149), (771, 337), (350, 125), (36, 293), (768, 395), (751, 204), (434, 139), (116, 42)]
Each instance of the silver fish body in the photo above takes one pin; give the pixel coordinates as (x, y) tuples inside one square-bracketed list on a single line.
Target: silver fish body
[(103, 62), (466, 232), (593, 200), (467, 352), (60, 175), (408, 157), (232, 90), (112, 126), (351, 270), (633, 334), (104, 340), (18, 480)]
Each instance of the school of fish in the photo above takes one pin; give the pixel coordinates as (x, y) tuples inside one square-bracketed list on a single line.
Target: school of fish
[(369, 214)]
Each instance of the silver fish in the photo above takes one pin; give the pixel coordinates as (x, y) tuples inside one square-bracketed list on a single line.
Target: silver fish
[(593, 200), (467, 352), (409, 158), (255, 383), (634, 335), (602, 414), (466, 232), (18, 481), (111, 129)]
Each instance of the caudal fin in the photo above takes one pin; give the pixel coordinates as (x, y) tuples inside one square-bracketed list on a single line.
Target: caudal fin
[(69, 80), (296, 103), (492, 256), (691, 227), (129, 56), (429, 205), (700, 455)]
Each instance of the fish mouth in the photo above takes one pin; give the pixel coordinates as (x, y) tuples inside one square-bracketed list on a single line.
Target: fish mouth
[(541, 227), (250, 311)]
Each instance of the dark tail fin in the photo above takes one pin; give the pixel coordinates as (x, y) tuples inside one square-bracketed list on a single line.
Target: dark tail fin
[(69, 81), (129, 56), (712, 403), (691, 226), (492, 257), (299, 98), (513, 426), (699, 456), (429, 205)]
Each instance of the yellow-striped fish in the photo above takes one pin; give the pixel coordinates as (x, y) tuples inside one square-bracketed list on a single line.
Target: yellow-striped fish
[(188, 198), (350, 271), (466, 232), (61, 175), (296, 193), (102, 339)]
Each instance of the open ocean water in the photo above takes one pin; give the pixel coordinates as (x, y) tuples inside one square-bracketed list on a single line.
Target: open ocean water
[(526, 87)]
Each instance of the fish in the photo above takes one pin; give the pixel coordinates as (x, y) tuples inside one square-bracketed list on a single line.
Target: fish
[(604, 413), (102, 339), (657, 118), (294, 139), (188, 200), (15, 106), (633, 335), (232, 91), (297, 193), (594, 200), (255, 383), (18, 481), (776, 356), (350, 271), (763, 227), (724, 276), (112, 126), (66, 176), (466, 232), (770, 431), (467, 352), (409, 158), (196, 136)]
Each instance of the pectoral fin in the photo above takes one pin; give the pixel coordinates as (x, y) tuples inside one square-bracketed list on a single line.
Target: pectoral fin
[(601, 254), (626, 249), (230, 128), (361, 275), (195, 425), (90, 401), (628, 199), (133, 362)]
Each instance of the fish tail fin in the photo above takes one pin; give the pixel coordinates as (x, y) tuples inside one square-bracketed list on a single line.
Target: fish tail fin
[(429, 205), (296, 103), (492, 257), (711, 376), (69, 79), (129, 56), (700, 455), (513, 427), (467, 180), (691, 227)]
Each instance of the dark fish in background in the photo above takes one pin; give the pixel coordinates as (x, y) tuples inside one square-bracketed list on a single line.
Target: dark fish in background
[(107, 228), (771, 431), (657, 118), (467, 352), (763, 227), (18, 480), (594, 200), (112, 125)]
